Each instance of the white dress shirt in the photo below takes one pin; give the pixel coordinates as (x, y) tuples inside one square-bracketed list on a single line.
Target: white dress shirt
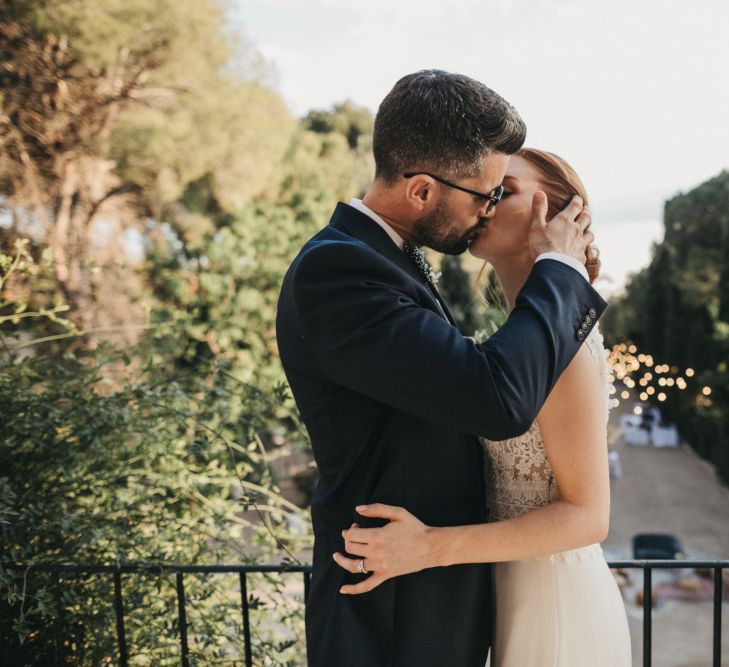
[(398, 240), (363, 208)]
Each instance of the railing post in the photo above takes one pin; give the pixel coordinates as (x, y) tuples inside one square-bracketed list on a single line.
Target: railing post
[(246, 620), (182, 614), (119, 611), (307, 585), (647, 614), (718, 589)]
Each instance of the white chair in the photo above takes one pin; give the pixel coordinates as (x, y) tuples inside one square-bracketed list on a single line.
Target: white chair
[(664, 436)]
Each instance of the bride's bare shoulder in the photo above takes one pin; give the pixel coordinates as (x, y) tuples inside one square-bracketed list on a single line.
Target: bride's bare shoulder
[(578, 398)]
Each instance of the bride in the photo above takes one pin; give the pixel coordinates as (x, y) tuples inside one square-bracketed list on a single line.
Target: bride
[(548, 491)]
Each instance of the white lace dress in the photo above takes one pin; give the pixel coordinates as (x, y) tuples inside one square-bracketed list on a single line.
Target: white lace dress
[(562, 610)]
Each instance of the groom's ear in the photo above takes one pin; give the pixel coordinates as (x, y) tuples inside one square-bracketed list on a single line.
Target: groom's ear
[(419, 190)]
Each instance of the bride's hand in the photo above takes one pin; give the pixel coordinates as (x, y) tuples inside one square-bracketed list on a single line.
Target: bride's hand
[(400, 547)]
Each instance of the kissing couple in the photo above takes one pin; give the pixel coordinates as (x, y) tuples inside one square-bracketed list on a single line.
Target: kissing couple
[(463, 488)]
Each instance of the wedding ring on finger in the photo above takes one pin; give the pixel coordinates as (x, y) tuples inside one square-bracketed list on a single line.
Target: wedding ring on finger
[(361, 567)]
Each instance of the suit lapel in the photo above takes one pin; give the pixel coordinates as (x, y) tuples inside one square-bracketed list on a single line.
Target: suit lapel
[(451, 319), (365, 229)]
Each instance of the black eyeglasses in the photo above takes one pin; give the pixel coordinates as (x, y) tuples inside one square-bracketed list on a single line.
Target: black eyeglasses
[(493, 197)]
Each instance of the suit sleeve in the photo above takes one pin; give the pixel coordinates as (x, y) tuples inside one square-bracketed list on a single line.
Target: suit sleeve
[(362, 317)]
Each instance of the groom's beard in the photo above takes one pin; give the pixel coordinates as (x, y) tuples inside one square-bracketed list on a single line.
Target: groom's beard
[(433, 231)]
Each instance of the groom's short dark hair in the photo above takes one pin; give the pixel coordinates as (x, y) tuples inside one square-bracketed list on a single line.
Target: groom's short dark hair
[(437, 121)]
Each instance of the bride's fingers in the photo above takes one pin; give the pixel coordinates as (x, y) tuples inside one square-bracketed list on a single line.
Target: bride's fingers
[(349, 564), (351, 535), (357, 549), (382, 511), (361, 535), (364, 586)]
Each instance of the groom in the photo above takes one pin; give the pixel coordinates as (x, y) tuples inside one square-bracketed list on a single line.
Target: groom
[(393, 396)]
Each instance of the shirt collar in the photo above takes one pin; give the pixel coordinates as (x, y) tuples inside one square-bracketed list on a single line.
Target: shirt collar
[(363, 208)]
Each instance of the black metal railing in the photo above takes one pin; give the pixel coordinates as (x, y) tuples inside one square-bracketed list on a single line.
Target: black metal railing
[(648, 566), (116, 572)]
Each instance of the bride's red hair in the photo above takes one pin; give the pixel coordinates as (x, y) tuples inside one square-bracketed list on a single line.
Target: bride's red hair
[(560, 183)]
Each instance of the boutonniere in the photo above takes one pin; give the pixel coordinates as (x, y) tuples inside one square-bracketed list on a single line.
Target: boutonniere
[(417, 256)]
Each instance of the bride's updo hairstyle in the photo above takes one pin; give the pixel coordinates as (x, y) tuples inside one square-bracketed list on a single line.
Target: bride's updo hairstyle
[(560, 183)]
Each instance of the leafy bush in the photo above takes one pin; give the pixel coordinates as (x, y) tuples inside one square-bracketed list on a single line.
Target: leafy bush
[(106, 460)]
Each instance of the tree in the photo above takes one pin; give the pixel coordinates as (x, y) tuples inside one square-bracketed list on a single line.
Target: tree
[(353, 122), (675, 309), (109, 110)]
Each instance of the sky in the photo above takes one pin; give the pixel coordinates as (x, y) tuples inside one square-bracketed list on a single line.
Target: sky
[(633, 93)]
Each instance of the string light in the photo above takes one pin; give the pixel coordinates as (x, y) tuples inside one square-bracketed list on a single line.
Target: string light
[(625, 363)]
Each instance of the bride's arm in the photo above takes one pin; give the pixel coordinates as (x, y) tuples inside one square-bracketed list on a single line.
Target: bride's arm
[(572, 423)]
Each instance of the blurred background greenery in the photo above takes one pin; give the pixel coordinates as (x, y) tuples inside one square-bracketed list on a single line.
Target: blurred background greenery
[(153, 189)]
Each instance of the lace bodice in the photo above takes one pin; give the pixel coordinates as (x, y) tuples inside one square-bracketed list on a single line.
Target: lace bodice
[(517, 471)]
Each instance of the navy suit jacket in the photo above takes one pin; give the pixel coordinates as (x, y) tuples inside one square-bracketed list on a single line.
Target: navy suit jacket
[(393, 397)]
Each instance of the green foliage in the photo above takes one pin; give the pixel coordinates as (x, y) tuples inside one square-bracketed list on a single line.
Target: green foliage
[(160, 470), (105, 460), (102, 30), (351, 121), (676, 310), (724, 273), (458, 291), (217, 274), (111, 112), (26, 295), (476, 303), (233, 132), (322, 164), (151, 118), (221, 290)]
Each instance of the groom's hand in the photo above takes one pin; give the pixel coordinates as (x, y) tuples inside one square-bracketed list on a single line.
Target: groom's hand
[(567, 232)]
